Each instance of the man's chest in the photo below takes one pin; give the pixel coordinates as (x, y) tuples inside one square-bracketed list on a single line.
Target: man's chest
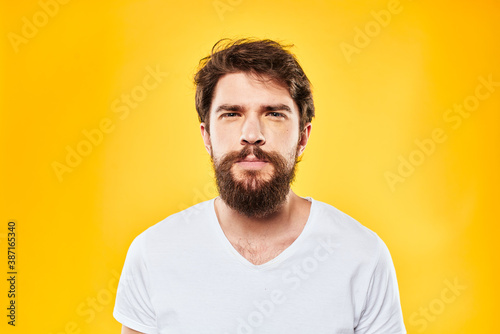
[(260, 252), (214, 288), (238, 300)]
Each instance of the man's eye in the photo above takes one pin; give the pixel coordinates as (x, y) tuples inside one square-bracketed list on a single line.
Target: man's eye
[(276, 114), (272, 113), (229, 114)]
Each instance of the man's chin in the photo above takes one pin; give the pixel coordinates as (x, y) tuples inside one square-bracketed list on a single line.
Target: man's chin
[(252, 182), (240, 175)]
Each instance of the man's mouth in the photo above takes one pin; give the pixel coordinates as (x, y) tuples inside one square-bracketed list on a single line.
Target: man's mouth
[(251, 162), (251, 158)]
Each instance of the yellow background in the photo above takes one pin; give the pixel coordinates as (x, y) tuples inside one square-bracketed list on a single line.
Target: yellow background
[(440, 224)]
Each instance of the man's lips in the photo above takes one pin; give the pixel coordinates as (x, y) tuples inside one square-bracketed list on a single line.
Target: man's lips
[(252, 159), (252, 163)]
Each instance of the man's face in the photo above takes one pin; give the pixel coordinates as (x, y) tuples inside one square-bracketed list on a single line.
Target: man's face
[(254, 143)]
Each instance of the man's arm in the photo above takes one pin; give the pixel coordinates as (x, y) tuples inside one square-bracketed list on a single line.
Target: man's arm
[(126, 330), (382, 312), (133, 307)]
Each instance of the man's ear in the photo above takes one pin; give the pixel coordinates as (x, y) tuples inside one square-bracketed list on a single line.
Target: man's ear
[(206, 137), (304, 137)]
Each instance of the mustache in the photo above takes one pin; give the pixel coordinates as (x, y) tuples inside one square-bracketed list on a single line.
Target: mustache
[(252, 149), (234, 156), (272, 157)]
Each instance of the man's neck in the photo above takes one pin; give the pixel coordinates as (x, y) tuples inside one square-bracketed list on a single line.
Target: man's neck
[(288, 221)]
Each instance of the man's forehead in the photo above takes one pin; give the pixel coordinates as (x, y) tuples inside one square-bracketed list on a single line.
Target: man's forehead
[(260, 80)]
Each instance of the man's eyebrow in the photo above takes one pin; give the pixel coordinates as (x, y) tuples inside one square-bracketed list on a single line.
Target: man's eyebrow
[(276, 107), (228, 107), (235, 107)]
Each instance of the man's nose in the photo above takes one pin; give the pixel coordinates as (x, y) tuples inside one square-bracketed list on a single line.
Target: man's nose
[(252, 132)]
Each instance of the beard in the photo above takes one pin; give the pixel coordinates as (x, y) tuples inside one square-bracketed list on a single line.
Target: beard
[(254, 193)]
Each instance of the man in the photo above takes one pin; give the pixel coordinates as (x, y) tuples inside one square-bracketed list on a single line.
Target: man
[(257, 258)]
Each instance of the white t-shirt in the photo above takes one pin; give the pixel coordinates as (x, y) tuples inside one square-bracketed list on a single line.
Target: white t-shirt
[(183, 275)]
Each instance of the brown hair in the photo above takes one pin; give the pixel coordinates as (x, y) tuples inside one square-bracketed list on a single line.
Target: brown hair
[(260, 58)]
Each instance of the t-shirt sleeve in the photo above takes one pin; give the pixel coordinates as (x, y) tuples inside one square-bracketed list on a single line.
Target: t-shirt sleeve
[(133, 307), (382, 311)]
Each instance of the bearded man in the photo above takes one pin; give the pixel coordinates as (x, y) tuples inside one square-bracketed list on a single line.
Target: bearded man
[(258, 258)]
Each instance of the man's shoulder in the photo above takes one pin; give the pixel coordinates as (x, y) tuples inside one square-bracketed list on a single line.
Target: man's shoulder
[(342, 227), (192, 218)]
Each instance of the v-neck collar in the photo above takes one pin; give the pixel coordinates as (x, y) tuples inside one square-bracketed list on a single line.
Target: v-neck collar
[(273, 262)]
